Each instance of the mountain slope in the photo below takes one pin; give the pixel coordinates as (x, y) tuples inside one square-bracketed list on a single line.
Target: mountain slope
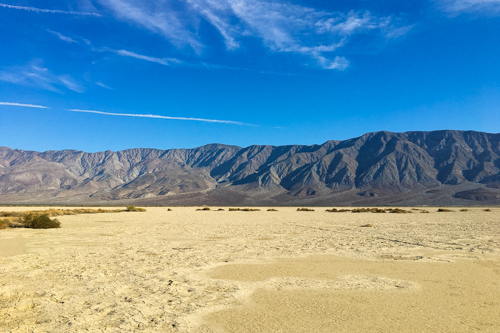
[(374, 165)]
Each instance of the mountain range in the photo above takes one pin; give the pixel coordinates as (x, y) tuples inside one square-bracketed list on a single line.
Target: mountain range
[(382, 168)]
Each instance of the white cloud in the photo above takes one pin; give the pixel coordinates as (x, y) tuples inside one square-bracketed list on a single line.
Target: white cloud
[(489, 7), (162, 61), (52, 11), (24, 105), (282, 27), (62, 37), (35, 74), (158, 17), (100, 84), (159, 117)]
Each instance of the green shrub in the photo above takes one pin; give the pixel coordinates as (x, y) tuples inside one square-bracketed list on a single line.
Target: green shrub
[(33, 221)]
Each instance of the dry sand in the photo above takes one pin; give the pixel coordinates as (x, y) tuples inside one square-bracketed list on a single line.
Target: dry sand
[(285, 271)]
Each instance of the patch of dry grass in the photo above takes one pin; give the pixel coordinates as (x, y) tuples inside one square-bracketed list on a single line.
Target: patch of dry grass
[(244, 210), (135, 209), (21, 219), (335, 210), (4, 224)]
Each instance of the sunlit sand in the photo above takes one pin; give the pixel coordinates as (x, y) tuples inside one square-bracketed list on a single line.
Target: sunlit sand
[(234, 271)]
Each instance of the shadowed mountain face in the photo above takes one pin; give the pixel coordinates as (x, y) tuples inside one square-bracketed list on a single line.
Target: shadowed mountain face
[(355, 171)]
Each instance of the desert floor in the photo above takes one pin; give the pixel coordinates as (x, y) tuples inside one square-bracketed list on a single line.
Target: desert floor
[(286, 271)]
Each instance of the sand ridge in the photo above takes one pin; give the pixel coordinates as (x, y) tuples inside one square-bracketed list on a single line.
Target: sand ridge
[(177, 271)]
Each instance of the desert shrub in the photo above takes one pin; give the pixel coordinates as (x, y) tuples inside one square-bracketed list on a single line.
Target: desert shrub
[(399, 211), (368, 225), (4, 224), (335, 210), (169, 210), (425, 211), (368, 210), (444, 210), (220, 209), (135, 209), (33, 221), (487, 210), (272, 210), (244, 210), (204, 208), (464, 210), (305, 210)]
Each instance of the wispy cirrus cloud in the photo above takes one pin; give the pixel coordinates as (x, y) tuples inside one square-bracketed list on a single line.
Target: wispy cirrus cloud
[(24, 105), (161, 61), (102, 85), (281, 26), (159, 17), (35, 74), (51, 11), (62, 37), (159, 117), (488, 7)]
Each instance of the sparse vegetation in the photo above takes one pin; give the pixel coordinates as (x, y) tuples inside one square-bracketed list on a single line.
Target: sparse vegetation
[(220, 209), (464, 210), (425, 211), (33, 221), (24, 219), (305, 210), (368, 210), (487, 210), (169, 210), (244, 209), (135, 209), (399, 211), (368, 225), (4, 224), (272, 210), (204, 208), (444, 210)]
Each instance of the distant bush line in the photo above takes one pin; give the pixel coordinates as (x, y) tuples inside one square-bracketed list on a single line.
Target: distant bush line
[(41, 219)]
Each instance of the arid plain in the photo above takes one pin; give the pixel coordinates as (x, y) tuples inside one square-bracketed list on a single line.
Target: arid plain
[(262, 271)]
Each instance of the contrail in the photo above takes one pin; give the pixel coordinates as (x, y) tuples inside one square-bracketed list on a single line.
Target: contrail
[(25, 105), (53, 11), (160, 117)]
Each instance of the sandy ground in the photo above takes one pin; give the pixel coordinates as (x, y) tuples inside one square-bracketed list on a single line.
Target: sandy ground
[(285, 271)]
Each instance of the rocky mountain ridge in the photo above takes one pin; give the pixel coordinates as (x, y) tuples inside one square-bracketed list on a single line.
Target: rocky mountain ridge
[(364, 169)]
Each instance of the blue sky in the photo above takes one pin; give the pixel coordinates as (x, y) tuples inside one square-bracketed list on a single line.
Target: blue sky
[(95, 75)]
